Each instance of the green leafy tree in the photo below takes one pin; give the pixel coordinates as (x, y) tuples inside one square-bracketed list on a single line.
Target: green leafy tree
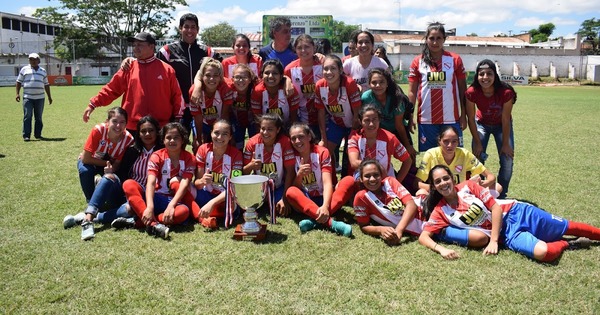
[(589, 30), (341, 34), (220, 35), (90, 26), (542, 33)]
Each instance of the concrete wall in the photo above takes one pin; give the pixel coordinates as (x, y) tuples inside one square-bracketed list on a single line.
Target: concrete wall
[(562, 64)]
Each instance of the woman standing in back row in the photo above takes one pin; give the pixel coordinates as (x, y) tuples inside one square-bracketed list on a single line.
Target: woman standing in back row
[(489, 110), (437, 80)]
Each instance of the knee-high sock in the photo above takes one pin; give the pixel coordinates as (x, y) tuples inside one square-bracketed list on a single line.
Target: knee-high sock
[(188, 200), (345, 189), (301, 203), (181, 214), (554, 250), (134, 192), (583, 229)]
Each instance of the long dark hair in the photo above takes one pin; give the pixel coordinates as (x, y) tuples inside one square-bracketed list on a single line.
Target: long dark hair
[(434, 196), (384, 56), (499, 85), (366, 162), (278, 65), (394, 91), (426, 55), (247, 40), (139, 145)]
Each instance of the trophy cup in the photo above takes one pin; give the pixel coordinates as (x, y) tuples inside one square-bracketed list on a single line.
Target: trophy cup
[(249, 195)]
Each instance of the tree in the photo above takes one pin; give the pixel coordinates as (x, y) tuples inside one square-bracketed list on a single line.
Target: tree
[(542, 33), (220, 35), (341, 33), (589, 30), (93, 25), (472, 35)]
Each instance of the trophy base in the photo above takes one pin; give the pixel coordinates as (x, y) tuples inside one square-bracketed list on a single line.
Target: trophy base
[(238, 235)]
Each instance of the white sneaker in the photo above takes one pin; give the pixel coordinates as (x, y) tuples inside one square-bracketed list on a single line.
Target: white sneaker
[(70, 220), (87, 230)]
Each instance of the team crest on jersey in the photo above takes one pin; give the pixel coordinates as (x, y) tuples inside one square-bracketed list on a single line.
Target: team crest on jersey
[(276, 156), (102, 142), (458, 168)]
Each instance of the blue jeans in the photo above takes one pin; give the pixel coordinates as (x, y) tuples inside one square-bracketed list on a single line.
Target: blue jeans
[(108, 192), (506, 162), (87, 172), (32, 108), (110, 215)]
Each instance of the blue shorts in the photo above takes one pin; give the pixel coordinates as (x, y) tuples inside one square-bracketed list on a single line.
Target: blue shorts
[(335, 132), (525, 225), (428, 135), (161, 202)]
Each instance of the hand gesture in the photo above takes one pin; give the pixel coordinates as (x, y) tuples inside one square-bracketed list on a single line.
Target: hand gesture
[(255, 164)]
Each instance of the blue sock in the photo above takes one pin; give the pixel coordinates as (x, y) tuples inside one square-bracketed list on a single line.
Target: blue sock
[(454, 235)]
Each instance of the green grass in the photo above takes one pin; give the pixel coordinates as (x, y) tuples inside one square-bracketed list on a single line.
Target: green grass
[(49, 270)]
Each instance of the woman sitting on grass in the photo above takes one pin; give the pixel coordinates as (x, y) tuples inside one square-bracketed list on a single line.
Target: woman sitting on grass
[(132, 172), (464, 164), (270, 153), (522, 227), (216, 161), (312, 192), (170, 171), (102, 154), (385, 202)]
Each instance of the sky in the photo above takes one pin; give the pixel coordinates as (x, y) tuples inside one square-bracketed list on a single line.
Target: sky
[(484, 18)]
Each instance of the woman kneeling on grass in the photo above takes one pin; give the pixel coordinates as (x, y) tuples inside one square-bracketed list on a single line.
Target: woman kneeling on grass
[(312, 191), (522, 227), (170, 171), (464, 165), (387, 203)]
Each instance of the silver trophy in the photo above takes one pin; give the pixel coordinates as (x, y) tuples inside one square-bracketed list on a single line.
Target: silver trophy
[(249, 195)]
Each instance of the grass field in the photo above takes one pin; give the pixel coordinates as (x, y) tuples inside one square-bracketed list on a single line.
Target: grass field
[(49, 270)]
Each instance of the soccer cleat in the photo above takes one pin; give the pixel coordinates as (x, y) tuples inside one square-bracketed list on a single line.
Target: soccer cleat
[(209, 223), (341, 228), (87, 230), (159, 230), (123, 223), (70, 220), (580, 242), (307, 225)]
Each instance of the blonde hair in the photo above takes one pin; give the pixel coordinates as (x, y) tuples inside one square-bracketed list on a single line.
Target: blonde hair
[(209, 62)]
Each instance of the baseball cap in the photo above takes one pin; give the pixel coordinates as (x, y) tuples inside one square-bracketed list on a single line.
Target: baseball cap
[(34, 56), (143, 37)]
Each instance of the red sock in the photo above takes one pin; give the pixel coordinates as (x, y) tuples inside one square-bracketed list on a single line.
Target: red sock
[(582, 229), (554, 250), (346, 189), (301, 203)]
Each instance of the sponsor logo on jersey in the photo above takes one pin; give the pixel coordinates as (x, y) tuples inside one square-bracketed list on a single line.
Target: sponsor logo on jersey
[(472, 215)]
